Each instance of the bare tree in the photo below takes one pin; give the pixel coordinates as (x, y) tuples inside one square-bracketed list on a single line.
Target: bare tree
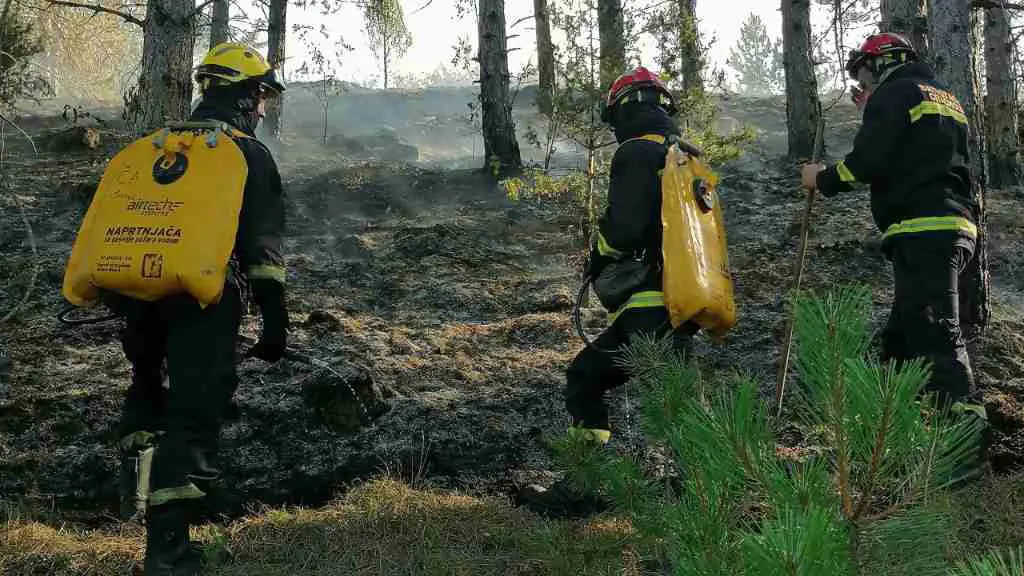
[(1001, 101), (388, 35), (276, 35), (501, 150), (220, 22), (545, 56), (802, 105), (613, 44), (906, 17)]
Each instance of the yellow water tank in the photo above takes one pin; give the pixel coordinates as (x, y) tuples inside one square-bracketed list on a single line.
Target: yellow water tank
[(164, 218), (697, 283)]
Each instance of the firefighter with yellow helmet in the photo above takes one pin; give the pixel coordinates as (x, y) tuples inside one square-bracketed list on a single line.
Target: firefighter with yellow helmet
[(182, 346)]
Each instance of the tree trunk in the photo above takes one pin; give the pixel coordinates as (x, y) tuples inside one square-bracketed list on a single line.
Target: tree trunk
[(276, 34), (165, 84), (907, 17), (387, 58), (802, 105), (690, 58), (545, 57), (501, 150), (220, 22), (1001, 102), (613, 44), (950, 29)]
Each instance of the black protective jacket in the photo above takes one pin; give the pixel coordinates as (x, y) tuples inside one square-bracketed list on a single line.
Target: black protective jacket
[(912, 149), (261, 222), (631, 225)]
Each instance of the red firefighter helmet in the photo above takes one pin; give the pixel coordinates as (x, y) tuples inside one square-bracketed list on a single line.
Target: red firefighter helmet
[(638, 84), (878, 45)]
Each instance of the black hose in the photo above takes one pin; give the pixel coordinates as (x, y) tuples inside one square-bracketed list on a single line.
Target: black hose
[(64, 318), (577, 320)]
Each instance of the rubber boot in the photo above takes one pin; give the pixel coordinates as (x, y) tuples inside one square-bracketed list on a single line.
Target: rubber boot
[(136, 463), (168, 550), (976, 464)]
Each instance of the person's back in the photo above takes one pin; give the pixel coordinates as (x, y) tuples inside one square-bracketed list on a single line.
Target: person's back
[(170, 433), (912, 148)]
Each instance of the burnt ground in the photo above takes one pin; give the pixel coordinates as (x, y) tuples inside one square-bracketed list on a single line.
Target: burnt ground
[(453, 298)]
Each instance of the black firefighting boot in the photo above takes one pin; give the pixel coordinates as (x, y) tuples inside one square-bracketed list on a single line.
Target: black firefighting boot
[(564, 499), (975, 463), (168, 550)]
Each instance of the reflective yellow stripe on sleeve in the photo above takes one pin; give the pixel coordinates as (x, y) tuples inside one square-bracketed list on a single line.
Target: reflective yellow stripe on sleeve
[(935, 109), (648, 299), (268, 272), (606, 249), (932, 224), (844, 173)]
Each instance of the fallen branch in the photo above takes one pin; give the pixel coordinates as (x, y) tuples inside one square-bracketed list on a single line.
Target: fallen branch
[(986, 4), (96, 8), (24, 219), (425, 5)]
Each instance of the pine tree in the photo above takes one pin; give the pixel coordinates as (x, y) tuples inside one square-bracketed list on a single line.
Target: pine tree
[(866, 496), (501, 149), (757, 60), (803, 109), (276, 35)]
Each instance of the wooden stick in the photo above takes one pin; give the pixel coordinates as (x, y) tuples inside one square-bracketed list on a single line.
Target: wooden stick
[(787, 348)]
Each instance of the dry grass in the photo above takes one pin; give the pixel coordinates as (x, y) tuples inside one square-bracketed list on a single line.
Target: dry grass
[(991, 513), (382, 528)]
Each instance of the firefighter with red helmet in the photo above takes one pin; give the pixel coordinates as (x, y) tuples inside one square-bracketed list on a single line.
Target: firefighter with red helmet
[(912, 150), (639, 109)]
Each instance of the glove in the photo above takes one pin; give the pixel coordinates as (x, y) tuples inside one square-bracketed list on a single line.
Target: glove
[(269, 296), (809, 175)]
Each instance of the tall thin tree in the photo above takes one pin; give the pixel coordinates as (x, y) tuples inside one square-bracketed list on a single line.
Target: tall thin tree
[(388, 35), (165, 83), (545, 57), (220, 21), (690, 54), (906, 17), (501, 150), (952, 38), (803, 107), (613, 43), (276, 35), (1001, 101)]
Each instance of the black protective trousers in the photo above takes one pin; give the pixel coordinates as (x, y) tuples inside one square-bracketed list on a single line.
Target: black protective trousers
[(196, 349), (925, 319), (593, 373)]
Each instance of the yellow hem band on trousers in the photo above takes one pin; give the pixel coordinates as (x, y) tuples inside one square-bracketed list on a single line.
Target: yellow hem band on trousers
[(164, 495), (933, 224), (276, 273), (590, 434)]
